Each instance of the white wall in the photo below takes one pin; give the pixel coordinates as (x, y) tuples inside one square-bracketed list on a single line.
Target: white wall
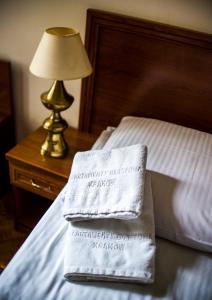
[(22, 23)]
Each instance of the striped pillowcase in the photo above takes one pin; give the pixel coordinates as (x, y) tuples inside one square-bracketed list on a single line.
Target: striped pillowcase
[(180, 161)]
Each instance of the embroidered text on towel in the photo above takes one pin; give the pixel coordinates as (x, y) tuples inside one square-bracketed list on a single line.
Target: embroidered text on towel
[(120, 171), (108, 240)]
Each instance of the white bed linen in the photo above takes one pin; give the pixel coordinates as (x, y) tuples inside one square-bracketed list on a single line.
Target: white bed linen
[(36, 271), (180, 161)]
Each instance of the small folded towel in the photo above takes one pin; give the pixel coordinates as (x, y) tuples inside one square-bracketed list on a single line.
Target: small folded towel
[(106, 184), (112, 250)]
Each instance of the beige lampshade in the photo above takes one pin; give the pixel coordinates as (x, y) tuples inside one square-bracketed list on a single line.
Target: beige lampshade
[(61, 56)]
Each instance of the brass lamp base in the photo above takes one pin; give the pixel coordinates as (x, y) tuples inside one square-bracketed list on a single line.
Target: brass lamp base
[(56, 99), (54, 145)]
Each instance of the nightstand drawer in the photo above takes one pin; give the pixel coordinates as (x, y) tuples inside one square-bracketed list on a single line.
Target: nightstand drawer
[(36, 181)]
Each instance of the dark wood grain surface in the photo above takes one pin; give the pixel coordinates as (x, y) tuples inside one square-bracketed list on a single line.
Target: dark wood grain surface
[(27, 152), (7, 131), (143, 68)]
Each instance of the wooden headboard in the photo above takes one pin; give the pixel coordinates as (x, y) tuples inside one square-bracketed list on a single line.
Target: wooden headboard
[(144, 68)]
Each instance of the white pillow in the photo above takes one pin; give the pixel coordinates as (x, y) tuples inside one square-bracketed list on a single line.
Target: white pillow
[(180, 160)]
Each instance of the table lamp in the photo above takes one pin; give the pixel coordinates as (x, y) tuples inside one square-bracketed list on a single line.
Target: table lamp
[(59, 56)]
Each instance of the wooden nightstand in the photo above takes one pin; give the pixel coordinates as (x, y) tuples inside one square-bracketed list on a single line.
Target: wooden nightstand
[(36, 179)]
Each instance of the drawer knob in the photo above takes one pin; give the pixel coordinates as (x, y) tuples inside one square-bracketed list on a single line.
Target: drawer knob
[(40, 187)]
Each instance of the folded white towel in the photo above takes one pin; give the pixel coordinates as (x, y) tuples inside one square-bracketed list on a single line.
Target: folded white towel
[(113, 250), (106, 184)]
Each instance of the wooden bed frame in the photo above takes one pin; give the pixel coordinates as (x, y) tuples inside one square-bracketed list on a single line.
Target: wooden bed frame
[(143, 68)]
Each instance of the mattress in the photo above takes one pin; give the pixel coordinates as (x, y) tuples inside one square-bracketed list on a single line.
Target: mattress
[(36, 271)]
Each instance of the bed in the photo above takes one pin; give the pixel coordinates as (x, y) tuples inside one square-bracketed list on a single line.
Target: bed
[(151, 83)]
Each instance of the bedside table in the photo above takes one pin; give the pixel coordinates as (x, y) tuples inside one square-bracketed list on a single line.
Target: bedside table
[(37, 179)]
